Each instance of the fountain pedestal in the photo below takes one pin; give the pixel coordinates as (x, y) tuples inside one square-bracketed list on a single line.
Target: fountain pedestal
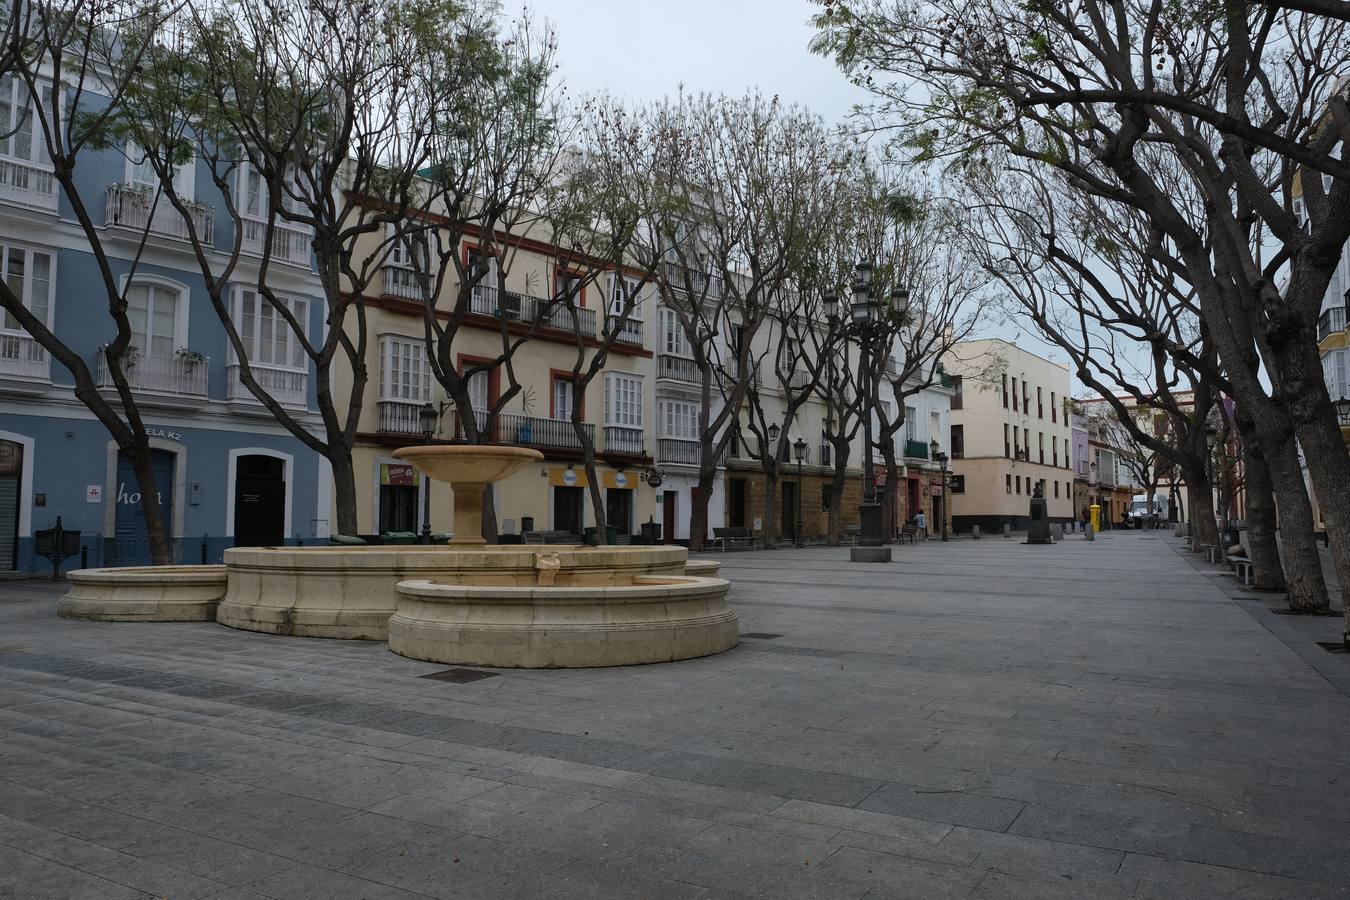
[(468, 469)]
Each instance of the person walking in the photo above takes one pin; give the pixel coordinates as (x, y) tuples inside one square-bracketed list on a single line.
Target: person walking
[(921, 523)]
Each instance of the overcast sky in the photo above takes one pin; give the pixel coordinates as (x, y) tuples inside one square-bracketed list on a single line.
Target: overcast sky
[(644, 49)]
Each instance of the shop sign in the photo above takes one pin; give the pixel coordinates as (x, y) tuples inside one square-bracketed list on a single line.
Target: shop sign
[(567, 478), (93, 493), (397, 475)]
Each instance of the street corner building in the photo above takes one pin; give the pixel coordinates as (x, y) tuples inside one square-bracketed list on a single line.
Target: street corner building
[(226, 472)]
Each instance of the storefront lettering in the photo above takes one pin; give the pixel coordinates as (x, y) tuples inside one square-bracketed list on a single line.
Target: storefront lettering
[(134, 497), (162, 433)]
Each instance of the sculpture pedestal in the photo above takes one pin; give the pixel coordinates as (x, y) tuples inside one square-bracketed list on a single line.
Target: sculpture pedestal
[(1038, 530)]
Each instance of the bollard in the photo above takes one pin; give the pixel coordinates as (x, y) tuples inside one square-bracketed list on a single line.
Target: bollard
[(975, 532), (1057, 531), (1007, 530), (84, 556), (1088, 533)]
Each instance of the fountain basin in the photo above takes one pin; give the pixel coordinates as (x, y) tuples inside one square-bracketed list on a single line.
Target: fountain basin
[(647, 619), (351, 592), (144, 594)]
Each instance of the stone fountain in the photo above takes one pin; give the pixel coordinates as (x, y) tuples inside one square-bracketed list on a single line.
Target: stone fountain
[(464, 603)]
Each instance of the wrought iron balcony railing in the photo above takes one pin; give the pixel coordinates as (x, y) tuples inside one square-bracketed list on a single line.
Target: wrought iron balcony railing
[(289, 387), (27, 185), (23, 357), (139, 210), (182, 375)]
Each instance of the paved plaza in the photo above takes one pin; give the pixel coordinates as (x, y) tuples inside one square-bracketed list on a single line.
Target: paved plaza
[(977, 719)]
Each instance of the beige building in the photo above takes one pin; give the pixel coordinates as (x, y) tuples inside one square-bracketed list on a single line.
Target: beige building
[(1010, 432), (551, 494)]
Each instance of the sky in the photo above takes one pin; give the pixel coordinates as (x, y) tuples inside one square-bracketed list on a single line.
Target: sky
[(645, 49), (642, 50)]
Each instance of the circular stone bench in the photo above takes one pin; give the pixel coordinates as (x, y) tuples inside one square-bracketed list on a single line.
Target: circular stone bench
[(655, 618), (144, 594), (350, 592)]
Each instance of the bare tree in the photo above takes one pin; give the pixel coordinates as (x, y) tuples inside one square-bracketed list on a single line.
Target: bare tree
[(1241, 101)]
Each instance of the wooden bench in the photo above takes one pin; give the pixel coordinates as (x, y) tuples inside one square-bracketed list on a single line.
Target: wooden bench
[(908, 531), (551, 537), (733, 537), (1213, 553), (1243, 569)]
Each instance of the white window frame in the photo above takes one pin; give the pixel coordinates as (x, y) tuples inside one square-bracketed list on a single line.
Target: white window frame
[(623, 408), (564, 398), (37, 147), (181, 305), (399, 352), (674, 342), (293, 341), (184, 176), (678, 420), (618, 289), (8, 247)]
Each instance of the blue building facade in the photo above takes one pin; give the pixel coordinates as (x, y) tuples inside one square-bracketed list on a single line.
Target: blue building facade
[(228, 473)]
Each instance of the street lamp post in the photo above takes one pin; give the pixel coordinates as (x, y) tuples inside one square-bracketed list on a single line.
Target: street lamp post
[(1343, 412), (799, 451), (866, 323), (941, 459), (429, 417)]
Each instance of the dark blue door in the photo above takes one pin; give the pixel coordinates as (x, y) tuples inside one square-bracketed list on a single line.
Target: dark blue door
[(131, 541)]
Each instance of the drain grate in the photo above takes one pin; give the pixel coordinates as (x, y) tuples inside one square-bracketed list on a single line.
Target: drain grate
[(459, 676), (760, 635), (1332, 646)]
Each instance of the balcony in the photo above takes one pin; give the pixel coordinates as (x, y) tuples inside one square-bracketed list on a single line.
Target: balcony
[(22, 357), (702, 284), (630, 332), (403, 283), (796, 379), (1081, 468), (678, 368), (141, 212), (623, 440), (729, 371), (892, 367), (289, 387), (532, 431), (678, 452), (1330, 322), (400, 417), (487, 301), (290, 243), (916, 450), (27, 185), (182, 376)]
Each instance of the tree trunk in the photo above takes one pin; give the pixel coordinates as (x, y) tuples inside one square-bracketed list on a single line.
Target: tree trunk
[(1204, 530), (837, 484), (1303, 565), (1261, 524), (344, 492), (698, 509), (771, 482), (152, 505), (889, 501)]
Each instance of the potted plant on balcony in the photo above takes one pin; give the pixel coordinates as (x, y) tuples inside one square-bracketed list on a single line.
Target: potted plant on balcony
[(190, 358)]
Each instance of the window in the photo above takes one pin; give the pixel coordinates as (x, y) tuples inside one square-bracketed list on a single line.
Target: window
[(252, 193), (623, 400), (1005, 391), (29, 275), (1040, 405), (1054, 450), (478, 265), (568, 288), (1007, 483), (564, 397), (935, 427), (268, 338), (480, 394), (673, 339), (679, 419), (1017, 484), (958, 397), (1334, 371), (787, 357), (404, 373), (1054, 412), (621, 290), (1007, 452), (1014, 393), (911, 424), (1017, 447), (1026, 441), (1040, 438), (152, 312), (1056, 490), (141, 173), (409, 250), (16, 121), (1026, 398), (959, 442)]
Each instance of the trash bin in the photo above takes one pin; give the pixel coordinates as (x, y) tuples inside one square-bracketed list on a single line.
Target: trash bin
[(588, 536), (612, 534), (651, 532)]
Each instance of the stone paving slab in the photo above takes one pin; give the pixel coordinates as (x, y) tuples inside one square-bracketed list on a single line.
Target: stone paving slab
[(975, 720)]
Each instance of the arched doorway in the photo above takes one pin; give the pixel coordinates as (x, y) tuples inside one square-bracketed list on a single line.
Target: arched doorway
[(259, 501), (131, 540), (11, 489)]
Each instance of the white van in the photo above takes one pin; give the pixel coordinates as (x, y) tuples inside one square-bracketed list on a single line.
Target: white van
[(1139, 511)]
